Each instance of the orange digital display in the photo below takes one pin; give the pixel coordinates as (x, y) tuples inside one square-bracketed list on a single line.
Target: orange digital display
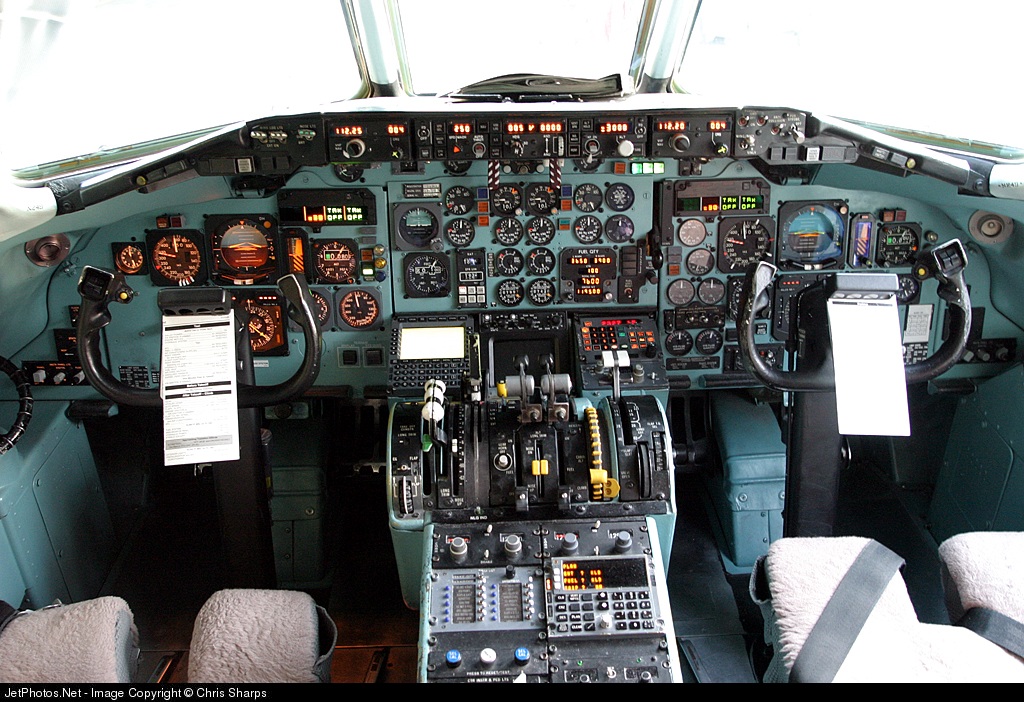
[(396, 129), (349, 130), (614, 127), (717, 125), (671, 125), (462, 128), (534, 127)]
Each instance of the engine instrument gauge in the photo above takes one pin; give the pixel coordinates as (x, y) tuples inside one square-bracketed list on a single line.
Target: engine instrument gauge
[(459, 200), (587, 198), (176, 256), (541, 291), (243, 248), (743, 242), (898, 244), (619, 197), (417, 225), (541, 199), (711, 291), (506, 200), (709, 342), (540, 261), (460, 232), (680, 292), (540, 231), (510, 292), (334, 260), (619, 229), (427, 275), (508, 262), (359, 309), (587, 229), (811, 234), (700, 261), (129, 258), (692, 232), (508, 231)]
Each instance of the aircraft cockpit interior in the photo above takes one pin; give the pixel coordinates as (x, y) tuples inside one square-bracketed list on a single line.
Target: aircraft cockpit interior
[(516, 376)]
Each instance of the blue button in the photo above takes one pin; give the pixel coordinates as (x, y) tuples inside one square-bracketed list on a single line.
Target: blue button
[(453, 657), (522, 655)]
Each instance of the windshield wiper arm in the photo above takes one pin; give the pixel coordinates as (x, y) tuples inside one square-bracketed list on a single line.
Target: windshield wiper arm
[(526, 87)]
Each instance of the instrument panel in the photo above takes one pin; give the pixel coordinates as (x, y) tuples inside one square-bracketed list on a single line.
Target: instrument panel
[(520, 214)]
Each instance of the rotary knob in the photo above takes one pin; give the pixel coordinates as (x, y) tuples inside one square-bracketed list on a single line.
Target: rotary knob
[(513, 546), (570, 543), (458, 548)]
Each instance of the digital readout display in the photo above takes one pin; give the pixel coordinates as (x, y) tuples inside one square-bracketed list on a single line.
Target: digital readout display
[(718, 125), (613, 127), (331, 214), (670, 125), (719, 203), (534, 127), (349, 130), (460, 128), (603, 573), (589, 273)]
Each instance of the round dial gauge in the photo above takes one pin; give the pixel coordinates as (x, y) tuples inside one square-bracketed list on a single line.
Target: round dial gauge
[(540, 231), (708, 342), (811, 235), (508, 262), (541, 291), (540, 261), (335, 261), (587, 229), (177, 258), (619, 229), (711, 291), (458, 200), (680, 292), (700, 261), (541, 199), (460, 232), (679, 343), (508, 231), (506, 200), (897, 245), (263, 327), (587, 198), (322, 307), (130, 259), (510, 292), (909, 289), (426, 275), (619, 197), (692, 232), (742, 244), (417, 225), (359, 309)]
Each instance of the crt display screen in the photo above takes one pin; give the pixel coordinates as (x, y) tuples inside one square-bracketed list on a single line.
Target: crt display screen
[(429, 343)]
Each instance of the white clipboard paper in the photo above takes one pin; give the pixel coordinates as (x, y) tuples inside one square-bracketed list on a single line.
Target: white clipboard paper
[(871, 386), (198, 387)]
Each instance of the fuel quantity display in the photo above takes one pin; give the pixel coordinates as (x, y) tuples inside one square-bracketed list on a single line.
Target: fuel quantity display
[(587, 275)]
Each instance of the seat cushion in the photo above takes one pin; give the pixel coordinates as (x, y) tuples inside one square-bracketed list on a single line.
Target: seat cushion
[(94, 641), (261, 636)]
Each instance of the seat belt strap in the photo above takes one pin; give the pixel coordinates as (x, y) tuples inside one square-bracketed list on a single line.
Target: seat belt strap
[(996, 627), (840, 623)]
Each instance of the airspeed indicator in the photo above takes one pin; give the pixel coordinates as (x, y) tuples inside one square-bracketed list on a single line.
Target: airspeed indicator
[(743, 242)]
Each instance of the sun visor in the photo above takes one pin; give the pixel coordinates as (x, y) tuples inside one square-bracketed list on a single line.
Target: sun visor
[(22, 209)]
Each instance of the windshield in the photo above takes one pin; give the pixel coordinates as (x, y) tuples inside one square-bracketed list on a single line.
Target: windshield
[(80, 76), (573, 38), (929, 67), (83, 76)]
